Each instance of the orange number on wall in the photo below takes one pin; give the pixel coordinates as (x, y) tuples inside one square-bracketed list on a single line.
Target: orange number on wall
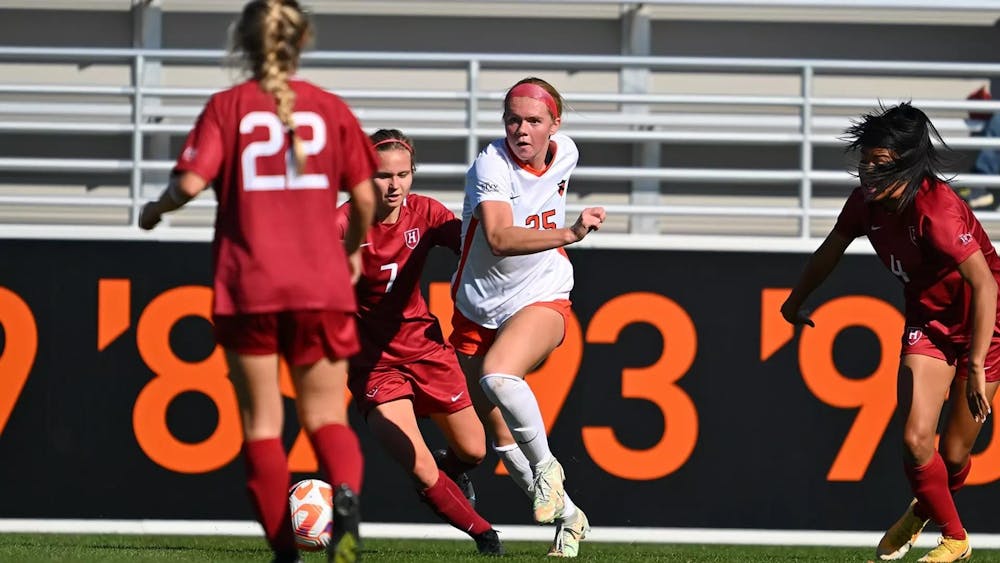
[(175, 376), (873, 396), (654, 383), (18, 354)]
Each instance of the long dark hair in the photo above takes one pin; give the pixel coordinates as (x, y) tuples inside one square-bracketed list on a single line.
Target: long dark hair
[(910, 135)]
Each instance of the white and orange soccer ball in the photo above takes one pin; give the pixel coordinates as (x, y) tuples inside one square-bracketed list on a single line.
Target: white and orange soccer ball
[(311, 502)]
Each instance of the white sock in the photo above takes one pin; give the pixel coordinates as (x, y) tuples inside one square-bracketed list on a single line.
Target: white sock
[(517, 465), (520, 411), (569, 510)]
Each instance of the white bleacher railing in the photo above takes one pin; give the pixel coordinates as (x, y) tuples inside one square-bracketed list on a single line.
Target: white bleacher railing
[(802, 120)]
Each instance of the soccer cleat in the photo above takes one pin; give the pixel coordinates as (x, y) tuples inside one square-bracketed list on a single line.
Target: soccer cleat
[(899, 539), (488, 543), (948, 549), (462, 479), (345, 542), (550, 497), (569, 532)]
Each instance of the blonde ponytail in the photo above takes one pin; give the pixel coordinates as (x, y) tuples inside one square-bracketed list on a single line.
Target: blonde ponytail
[(271, 34)]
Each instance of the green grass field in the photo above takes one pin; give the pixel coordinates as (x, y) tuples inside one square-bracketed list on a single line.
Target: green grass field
[(115, 548)]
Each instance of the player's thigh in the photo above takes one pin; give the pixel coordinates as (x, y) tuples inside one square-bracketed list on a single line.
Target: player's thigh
[(524, 341), (464, 433), (394, 424), (255, 379)]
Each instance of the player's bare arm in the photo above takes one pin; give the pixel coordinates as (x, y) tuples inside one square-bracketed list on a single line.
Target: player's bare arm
[(977, 274), (820, 264), (182, 188), (507, 239)]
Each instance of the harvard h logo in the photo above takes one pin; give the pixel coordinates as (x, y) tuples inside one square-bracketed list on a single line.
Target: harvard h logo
[(411, 238)]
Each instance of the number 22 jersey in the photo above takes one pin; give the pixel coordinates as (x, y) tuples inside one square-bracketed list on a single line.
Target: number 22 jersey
[(276, 247)]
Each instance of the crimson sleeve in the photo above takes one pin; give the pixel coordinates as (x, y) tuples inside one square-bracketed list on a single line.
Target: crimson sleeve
[(850, 222), (447, 229), (341, 219), (202, 152), (948, 231)]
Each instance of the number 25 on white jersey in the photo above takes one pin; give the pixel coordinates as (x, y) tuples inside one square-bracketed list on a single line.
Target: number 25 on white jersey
[(252, 181)]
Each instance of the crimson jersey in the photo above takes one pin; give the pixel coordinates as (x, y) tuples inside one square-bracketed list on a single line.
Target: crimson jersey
[(274, 247), (923, 246), (394, 323)]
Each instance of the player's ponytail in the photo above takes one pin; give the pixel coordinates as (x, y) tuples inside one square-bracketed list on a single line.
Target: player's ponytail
[(270, 34)]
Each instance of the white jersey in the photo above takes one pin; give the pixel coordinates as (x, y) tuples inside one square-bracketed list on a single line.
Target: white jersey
[(489, 289)]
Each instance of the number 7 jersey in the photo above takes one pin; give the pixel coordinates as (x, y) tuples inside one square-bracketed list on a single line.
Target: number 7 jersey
[(489, 289)]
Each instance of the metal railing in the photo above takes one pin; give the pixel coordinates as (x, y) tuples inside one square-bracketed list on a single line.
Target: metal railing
[(800, 119)]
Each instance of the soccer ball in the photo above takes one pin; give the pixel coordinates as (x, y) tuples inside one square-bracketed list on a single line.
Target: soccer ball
[(311, 503)]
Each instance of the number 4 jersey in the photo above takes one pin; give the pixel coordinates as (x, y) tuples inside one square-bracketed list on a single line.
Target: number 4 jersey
[(394, 322), (489, 289), (276, 247)]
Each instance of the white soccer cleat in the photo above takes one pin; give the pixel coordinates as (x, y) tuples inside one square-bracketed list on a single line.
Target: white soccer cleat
[(550, 496), (569, 532)]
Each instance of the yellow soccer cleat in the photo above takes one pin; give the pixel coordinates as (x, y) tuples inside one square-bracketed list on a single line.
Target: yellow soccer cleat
[(899, 539), (550, 497), (948, 549), (569, 532)]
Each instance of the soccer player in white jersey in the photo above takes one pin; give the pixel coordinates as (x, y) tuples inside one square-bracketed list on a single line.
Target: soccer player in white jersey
[(512, 288)]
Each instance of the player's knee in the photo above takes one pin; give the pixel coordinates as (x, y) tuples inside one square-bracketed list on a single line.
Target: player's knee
[(313, 420), (472, 453), (496, 385), (918, 444)]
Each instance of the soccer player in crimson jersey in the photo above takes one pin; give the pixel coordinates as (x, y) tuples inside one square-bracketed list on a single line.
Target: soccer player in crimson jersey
[(277, 150), (930, 239), (405, 368)]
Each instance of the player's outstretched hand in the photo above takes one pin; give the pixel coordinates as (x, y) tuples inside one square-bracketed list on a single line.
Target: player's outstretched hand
[(150, 216), (590, 219), (795, 314)]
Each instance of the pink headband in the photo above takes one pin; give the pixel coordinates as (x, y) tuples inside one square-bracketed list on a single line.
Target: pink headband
[(535, 92), (388, 141)]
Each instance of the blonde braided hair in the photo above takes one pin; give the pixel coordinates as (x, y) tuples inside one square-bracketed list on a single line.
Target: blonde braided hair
[(271, 34)]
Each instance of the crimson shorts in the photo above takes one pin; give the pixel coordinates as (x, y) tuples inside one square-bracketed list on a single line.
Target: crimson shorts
[(435, 384), (301, 337), (954, 353), (473, 340)]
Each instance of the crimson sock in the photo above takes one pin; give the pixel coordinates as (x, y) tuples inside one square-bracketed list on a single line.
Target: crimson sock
[(930, 485), (339, 455), (955, 482), (445, 498), (267, 484), (453, 465)]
